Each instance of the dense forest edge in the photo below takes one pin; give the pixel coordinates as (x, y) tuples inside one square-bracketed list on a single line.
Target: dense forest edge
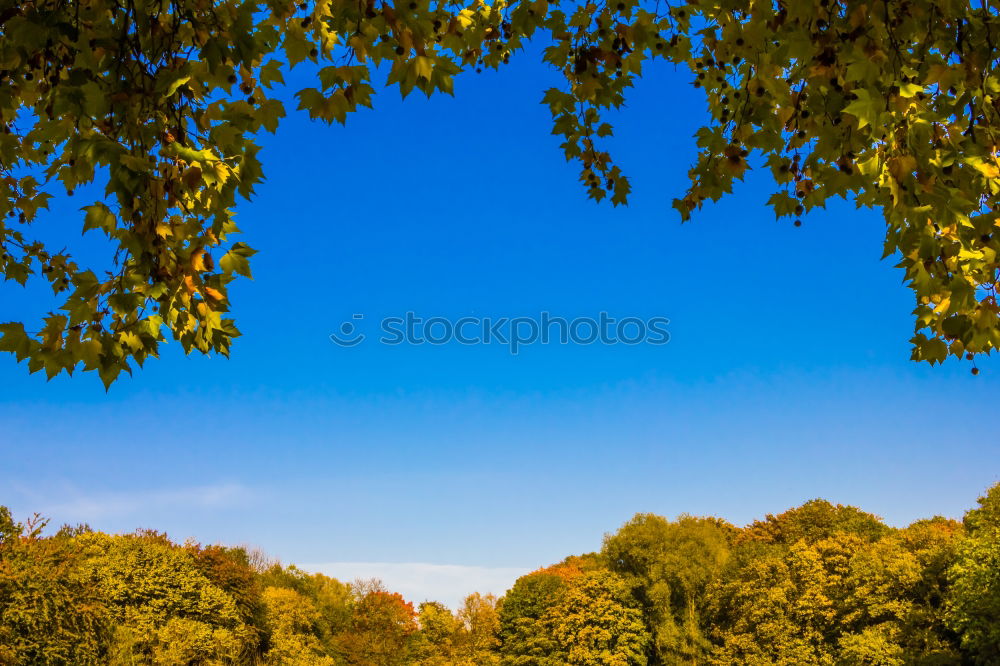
[(820, 583)]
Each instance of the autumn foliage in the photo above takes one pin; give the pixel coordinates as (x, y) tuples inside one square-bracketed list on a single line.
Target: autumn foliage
[(820, 584), (892, 105)]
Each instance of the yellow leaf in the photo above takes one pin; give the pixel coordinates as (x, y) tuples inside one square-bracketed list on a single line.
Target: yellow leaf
[(90, 351), (988, 169), (198, 261), (423, 66)]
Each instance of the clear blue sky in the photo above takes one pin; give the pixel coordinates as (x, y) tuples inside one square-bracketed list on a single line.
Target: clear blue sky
[(787, 376)]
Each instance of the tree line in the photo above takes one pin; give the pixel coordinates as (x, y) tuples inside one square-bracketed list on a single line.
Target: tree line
[(817, 584)]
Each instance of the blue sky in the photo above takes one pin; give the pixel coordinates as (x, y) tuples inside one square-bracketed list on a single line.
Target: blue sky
[(786, 378)]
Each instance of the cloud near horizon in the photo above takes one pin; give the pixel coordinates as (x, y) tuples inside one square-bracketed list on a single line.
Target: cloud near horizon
[(420, 581)]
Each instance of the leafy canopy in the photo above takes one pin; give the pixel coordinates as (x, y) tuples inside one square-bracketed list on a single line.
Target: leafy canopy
[(893, 104)]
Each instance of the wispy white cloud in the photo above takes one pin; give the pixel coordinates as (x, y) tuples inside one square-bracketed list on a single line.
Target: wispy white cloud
[(418, 581), (84, 507)]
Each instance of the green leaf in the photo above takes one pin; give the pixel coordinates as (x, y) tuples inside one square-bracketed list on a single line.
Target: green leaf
[(99, 216), (865, 108), (236, 260)]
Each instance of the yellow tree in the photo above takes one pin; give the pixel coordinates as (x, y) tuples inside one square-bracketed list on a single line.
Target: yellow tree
[(480, 627), (51, 611), (292, 618), (597, 622), (165, 609)]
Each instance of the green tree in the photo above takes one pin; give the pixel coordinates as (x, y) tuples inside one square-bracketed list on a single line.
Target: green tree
[(927, 639), (874, 598), (670, 565), (525, 639), (439, 632), (158, 101), (974, 601)]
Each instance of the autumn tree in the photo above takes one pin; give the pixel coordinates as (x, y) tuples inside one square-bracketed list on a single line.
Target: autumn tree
[(468, 637), (382, 629), (892, 105), (478, 638)]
